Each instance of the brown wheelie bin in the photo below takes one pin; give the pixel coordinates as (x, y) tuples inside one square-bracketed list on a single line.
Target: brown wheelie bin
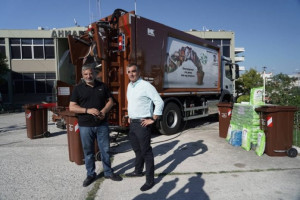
[(74, 142), (36, 121), (225, 111), (278, 124)]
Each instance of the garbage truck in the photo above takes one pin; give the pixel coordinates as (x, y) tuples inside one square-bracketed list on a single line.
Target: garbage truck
[(190, 73)]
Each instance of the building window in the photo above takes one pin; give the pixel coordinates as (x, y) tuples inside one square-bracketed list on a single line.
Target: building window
[(38, 45), (2, 46), (217, 41), (36, 83), (28, 48), (224, 44), (15, 48), (226, 51), (226, 47)]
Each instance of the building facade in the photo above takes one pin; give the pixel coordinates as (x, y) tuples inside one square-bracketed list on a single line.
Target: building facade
[(36, 59), (226, 40)]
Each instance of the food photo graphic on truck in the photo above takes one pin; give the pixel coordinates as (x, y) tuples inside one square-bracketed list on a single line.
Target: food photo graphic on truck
[(190, 65)]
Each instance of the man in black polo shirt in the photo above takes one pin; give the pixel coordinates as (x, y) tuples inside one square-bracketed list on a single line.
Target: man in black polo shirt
[(92, 100)]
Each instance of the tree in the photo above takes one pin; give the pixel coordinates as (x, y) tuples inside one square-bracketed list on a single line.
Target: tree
[(250, 79), (3, 68), (281, 90)]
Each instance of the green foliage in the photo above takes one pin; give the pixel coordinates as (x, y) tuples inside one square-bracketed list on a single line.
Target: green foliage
[(281, 90), (3, 65), (250, 79), (3, 68), (243, 98)]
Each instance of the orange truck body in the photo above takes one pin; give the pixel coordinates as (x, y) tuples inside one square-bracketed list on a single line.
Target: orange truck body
[(186, 70)]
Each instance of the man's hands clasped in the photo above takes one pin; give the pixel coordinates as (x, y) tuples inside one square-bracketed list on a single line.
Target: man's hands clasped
[(99, 114)]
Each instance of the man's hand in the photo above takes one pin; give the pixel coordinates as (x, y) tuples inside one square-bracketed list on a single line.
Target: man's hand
[(93, 111), (101, 116), (146, 122)]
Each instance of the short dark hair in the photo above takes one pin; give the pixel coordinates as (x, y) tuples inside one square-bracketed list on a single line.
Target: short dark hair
[(134, 64), (86, 67)]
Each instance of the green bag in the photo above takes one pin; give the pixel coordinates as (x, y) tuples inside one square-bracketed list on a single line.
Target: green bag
[(256, 96), (246, 138), (261, 143)]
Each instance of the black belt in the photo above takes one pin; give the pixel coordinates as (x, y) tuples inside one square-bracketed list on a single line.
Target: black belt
[(138, 120)]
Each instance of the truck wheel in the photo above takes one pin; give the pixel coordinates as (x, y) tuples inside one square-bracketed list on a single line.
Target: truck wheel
[(171, 119)]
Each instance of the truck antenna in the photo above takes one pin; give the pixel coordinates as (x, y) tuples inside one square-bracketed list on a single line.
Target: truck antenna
[(99, 8), (90, 11), (75, 22)]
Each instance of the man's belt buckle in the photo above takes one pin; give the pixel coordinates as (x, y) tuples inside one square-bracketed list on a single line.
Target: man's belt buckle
[(135, 120)]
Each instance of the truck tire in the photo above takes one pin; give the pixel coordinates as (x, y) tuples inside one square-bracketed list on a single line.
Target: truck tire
[(171, 119)]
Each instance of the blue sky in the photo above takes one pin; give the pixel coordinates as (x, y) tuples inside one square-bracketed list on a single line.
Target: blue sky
[(269, 30)]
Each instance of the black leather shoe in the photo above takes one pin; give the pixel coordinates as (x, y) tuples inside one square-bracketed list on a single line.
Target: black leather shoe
[(147, 186), (114, 177), (88, 180), (134, 174)]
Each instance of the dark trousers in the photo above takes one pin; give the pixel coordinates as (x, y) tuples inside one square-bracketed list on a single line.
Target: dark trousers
[(140, 139)]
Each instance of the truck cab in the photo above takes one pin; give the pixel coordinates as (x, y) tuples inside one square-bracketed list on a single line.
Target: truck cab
[(230, 74)]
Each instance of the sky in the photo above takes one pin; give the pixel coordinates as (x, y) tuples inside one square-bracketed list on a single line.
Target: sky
[(269, 30)]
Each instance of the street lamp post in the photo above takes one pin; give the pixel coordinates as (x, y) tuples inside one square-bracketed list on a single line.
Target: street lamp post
[(264, 79)]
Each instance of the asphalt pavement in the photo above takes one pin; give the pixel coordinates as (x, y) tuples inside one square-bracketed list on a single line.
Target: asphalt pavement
[(194, 164)]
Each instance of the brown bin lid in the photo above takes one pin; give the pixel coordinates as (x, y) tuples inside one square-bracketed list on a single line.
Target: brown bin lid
[(30, 106), (225, 104), (275, 108)]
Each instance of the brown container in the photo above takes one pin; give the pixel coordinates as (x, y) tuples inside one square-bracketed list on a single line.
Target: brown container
[(36, 121), (277, 123), (74, 141), (225, 111)]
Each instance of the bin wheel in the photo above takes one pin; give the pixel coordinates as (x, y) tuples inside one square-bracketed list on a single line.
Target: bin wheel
[(98, 156), (46, 134), (292, 152)]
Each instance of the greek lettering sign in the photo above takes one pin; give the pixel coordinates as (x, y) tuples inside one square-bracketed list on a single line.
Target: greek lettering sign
[(65, 33)]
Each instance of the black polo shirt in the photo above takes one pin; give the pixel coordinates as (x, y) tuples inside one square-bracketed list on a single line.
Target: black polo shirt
[(90, 97)]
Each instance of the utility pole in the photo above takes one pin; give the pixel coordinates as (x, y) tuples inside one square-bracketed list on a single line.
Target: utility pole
[(264, 78)]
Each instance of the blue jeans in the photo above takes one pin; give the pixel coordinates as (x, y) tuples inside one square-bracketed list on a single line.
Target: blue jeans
[(88, 136)]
